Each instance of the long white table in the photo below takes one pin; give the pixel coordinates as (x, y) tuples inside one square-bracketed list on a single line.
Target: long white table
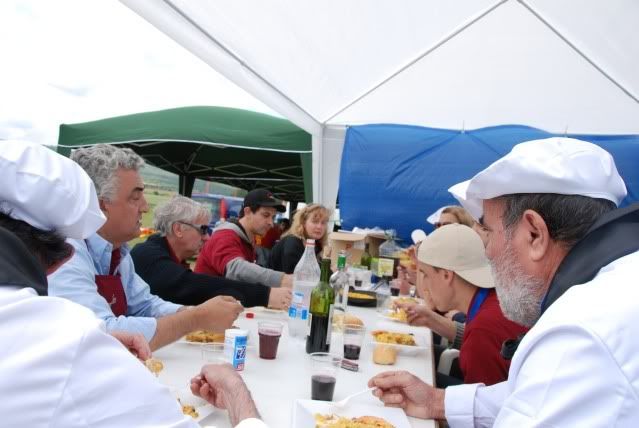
[(275, 384)]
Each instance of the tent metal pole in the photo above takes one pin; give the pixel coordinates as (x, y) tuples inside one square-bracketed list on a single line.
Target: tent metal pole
[(579, 51), (418, 58)]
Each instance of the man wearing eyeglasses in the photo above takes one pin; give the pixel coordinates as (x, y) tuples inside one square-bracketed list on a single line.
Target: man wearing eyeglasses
[(101, 274), (183, 228)]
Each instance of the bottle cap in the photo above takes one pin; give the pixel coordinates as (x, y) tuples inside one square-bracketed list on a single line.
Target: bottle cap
[(235, 332)]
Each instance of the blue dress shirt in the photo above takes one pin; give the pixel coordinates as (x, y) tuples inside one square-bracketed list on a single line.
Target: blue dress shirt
[(75, 280)]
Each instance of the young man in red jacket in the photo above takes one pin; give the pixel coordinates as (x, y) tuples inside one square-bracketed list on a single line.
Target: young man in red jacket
[(230, 252)]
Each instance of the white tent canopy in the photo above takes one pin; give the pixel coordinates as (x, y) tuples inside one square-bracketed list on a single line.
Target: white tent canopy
[(559, 65)]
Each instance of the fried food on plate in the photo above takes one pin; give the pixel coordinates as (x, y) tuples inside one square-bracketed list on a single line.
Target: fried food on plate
[(205, 336), (334, 421), (383, 336)]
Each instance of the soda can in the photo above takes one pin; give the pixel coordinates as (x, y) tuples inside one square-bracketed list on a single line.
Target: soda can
[(235, 347)]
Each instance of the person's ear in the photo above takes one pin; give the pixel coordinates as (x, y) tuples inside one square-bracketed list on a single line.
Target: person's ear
[(535, 235), (447, 276), (103, 205), (176, 229)]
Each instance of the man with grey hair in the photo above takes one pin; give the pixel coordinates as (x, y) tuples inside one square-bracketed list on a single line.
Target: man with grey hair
[(183, 227), (101, 274), (566, 263)]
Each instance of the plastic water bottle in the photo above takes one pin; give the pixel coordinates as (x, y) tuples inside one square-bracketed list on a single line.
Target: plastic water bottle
[(339, 282), (305, 277)]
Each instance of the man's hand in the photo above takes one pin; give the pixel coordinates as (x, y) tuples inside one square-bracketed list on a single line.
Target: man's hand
[(417, 315), (222, 386), (287, 281), (280, 298), (218, 313), (406, 391), (135, 343)]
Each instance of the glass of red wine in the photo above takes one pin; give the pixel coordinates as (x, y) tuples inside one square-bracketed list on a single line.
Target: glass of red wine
[(269, 333), (353, 340), (325, 367)]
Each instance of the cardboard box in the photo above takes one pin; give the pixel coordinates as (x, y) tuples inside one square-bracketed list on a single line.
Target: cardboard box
[(354, 244)]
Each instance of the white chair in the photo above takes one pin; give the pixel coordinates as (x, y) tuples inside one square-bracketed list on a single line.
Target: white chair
[(446, 360)]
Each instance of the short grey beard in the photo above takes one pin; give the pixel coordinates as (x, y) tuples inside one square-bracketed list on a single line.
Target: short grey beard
[(519, 294)]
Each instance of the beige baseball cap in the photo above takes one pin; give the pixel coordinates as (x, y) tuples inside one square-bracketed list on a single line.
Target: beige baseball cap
[(458, 248)]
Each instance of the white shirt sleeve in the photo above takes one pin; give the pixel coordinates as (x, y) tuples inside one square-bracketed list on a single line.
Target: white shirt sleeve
[(473, 405), (251, 423)]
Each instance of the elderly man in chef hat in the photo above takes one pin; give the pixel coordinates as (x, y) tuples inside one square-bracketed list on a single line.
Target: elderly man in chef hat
[(58, 366), (566, 263)]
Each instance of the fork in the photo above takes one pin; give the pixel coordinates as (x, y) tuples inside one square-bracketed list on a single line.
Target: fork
[(342, 403)]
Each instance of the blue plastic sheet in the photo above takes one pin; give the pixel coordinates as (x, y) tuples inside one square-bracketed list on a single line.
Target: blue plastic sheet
[(394, 176)]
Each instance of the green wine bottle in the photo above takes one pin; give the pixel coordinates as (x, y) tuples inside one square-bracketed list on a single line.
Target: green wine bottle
[(366, 258), (321, 309)]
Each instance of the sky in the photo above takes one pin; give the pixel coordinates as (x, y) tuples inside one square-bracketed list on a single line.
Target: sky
[(70, 61)]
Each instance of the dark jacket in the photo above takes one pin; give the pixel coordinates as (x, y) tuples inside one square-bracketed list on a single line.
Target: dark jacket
[(174, 282), (287, 252)]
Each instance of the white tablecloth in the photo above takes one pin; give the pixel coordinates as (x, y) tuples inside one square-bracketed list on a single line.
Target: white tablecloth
[(275, 384)]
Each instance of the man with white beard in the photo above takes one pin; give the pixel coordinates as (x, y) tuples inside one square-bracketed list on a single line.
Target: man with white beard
[(565, 262)]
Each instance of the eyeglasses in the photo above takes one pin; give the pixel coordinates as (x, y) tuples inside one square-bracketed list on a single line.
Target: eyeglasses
[(204, 229), (440, 224)]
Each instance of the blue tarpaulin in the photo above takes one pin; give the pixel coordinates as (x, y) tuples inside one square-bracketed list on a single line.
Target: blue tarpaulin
[(394, 176)]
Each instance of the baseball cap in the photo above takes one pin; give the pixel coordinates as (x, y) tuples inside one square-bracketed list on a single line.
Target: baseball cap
[(47, 190), (262, 198), (458, 248), (564, 166)]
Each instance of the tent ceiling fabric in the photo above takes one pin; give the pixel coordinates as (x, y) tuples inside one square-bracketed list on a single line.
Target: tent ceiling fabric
[(236, 147), (558, 65)]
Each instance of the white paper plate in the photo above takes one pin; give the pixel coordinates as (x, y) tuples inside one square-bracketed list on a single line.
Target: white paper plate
[(262, 311), (421, 344), (304, 413), (187, 398)]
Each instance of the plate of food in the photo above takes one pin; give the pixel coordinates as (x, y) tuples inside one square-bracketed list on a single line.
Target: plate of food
[(395, 314), (205, 337), (191, 405), (202, 337), (403, 300), (362, 298), (403, 343), (323, 414)]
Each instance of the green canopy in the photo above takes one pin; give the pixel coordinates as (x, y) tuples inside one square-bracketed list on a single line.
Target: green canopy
[(236, 147)]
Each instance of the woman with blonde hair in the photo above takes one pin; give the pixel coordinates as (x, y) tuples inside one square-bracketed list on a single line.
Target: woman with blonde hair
[(309, 222), (454, 214)]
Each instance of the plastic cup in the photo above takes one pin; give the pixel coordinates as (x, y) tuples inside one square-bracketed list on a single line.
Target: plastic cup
[(213, 352), (270, 333), (353, 340), (324, 371)]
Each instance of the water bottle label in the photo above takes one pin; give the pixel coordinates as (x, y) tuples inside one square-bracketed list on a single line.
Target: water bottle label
[(304, 314), (292, 312), (298, 297)]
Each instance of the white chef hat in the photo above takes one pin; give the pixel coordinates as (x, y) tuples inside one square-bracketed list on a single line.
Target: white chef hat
[(434, 217), (47, 190), (564, 166)]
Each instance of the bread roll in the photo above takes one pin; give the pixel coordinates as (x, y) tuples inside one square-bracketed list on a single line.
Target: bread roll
[(384, 354), (340, 320)]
